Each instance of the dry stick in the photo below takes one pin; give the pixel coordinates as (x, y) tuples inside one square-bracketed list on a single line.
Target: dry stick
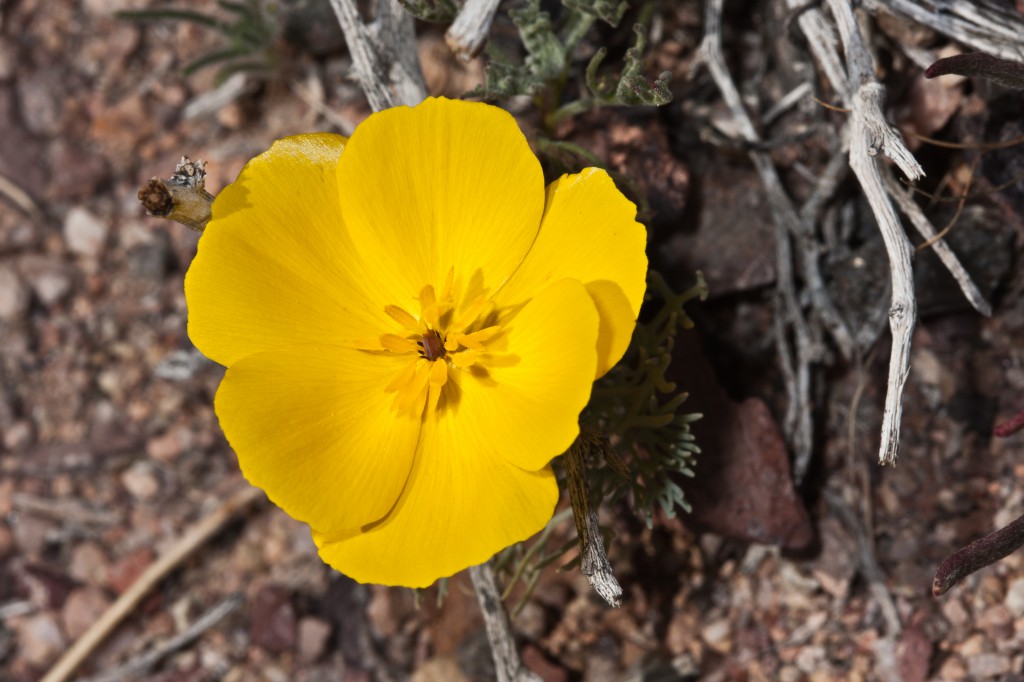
[(468, 32), (508, 666), (869, 134), (593, 560), (194, 538), (982, 26), (144, 663), (905, 200), (383, 53)]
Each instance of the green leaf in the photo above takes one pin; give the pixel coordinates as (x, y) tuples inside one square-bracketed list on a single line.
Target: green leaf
[(545, 53), (437, 11), (633, 88), (608, 11)]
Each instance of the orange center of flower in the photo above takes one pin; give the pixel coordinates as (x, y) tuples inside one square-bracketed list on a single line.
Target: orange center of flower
[(445, 337)]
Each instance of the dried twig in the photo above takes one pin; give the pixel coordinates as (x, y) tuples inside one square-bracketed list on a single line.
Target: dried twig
[(593, 559), (508, 666), (21, 199), (468, 32), (905, 200), (383, 53), (142, 665), (65, 510), (869, 134), (982, 25), (194, 538)]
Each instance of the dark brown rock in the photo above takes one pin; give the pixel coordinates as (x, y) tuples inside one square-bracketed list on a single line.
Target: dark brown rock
[(272, 623)]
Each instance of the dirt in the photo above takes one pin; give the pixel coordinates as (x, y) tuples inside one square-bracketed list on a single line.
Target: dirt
[(110, 448)]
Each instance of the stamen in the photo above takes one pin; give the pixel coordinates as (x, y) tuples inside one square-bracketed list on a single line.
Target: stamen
[(432, 346)]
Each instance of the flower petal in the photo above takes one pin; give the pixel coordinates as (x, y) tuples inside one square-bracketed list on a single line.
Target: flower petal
[(589, 232), (460, 507), (275, 266), (446, 184), (314, 428), (524, 401)]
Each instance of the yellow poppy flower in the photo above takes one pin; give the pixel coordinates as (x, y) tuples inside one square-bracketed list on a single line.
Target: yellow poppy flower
[(411, 327)]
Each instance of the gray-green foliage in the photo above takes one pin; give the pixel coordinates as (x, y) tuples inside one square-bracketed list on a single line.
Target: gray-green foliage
[(549, 46), (441, 11), (250, 28), (641, 409)]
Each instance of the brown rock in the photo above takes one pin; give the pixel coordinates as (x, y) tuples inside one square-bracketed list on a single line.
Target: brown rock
[(272, 619), (140, 481), (914, 655), (84, 233), (40, 640), (441, 669), (88, 564), (313, 635), (83, 607), (6, 540), (535, 660), (743, 488), (49, 279), (123, 572), (14, 296)]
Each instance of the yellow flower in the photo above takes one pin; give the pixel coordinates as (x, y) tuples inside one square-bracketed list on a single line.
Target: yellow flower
[(411, 328)]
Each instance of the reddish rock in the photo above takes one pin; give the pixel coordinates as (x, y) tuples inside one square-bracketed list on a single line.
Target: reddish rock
[(123, 572), (83, 607), (743, 488), (272, 619)]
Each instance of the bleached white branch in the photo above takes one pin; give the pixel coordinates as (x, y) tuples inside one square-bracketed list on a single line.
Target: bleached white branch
[(870, 133), (383, 53), (508, 666), (979, 24), (468, 32), (905, 200)]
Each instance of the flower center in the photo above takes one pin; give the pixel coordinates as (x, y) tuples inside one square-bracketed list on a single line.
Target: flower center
[(431, 346), (445, 337)]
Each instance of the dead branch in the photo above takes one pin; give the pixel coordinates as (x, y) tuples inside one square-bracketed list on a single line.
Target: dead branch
[(194, 538), (869, 134), (979, 24), (508, 666), (468, 32), (383, 53), (593, 559), (905, 200)]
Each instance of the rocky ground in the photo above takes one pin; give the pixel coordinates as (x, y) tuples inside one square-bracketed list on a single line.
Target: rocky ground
[(110, 449)]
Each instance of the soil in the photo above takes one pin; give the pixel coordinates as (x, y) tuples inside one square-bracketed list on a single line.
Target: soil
[(110, 448)]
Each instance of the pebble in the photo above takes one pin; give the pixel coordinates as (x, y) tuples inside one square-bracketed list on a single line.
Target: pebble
[(313, 637), (1015, 597), (49, 280), (14, 295), (6, 539), (83, 607), (84, 233), (31, 533), (88, 564), (123, 572), (272, 619), (19, 436), (987, 665), (168, 446), (140, 481), (40, 639), (41, 110)]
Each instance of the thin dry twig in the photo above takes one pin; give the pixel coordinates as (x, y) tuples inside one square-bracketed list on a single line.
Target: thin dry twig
[(980, 24), (905, 200), (468, 32), (508, 666), (193, 539), (383, 53), (65, 510), (978, 555), (20, 198), (869, 134), (143, 664), (593, 559)]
